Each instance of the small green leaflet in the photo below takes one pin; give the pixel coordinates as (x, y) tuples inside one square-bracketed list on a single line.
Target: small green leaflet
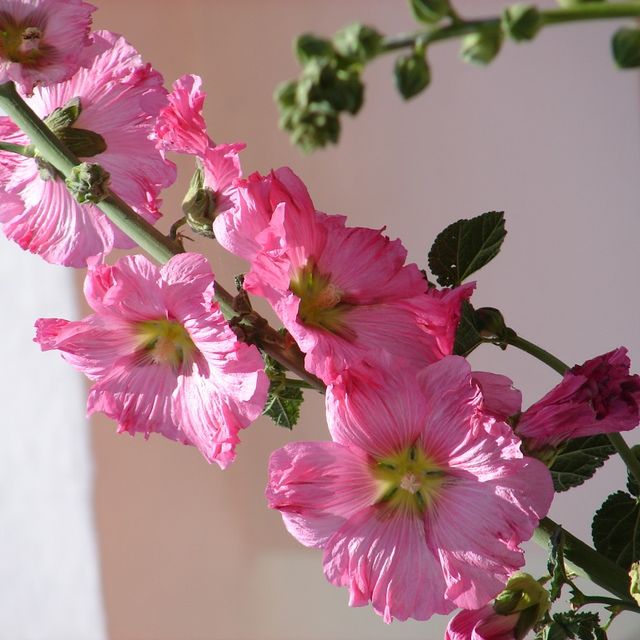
[(283, 405), (571, 625), (616, 529), (466, 246), (579, 460)]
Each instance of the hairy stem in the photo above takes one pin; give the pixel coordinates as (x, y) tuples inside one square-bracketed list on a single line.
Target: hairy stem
[(459, 28), (157, 245)]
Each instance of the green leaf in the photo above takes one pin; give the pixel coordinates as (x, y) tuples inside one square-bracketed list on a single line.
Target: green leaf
[(579, 460), (283, 405), (467, 336), (625, 46), (412, 74), (616, 529), (572, 625), (466, 246)]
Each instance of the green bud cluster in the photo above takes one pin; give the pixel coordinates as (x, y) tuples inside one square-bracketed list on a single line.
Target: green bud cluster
[(412, 73), (330, 84)]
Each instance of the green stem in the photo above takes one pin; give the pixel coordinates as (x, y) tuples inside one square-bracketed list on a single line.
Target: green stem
[(625, 605), (633, 464), (157, 245), (549, 17), (587, 562), (23, 150), (622, 448), (536, 351)]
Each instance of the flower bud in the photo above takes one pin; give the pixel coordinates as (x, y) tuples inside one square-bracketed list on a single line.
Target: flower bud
[(412, 74), (634, 574), (625, 46), (429, 11), (88, 183), (199, 206), (308, 46), (481, 47), (521, 22), (525, 596), (490, 323), (358, 42)]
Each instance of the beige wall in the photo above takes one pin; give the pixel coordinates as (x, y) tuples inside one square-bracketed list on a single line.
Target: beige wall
[(549, 133)]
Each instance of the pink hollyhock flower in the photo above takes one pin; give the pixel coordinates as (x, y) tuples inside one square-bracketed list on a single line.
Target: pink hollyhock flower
[(344, 293), (180, 126), (482, 624), (161, 355), (422, 499), (119, 97), (42, 41), (599, 396), (498, 394)]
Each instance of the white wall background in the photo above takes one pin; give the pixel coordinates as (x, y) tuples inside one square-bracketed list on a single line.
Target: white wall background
[(49, 577)]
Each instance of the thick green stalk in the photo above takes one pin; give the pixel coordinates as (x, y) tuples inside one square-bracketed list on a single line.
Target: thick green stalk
[(159, 246), (20, 149), (549, 17), (587, 562)]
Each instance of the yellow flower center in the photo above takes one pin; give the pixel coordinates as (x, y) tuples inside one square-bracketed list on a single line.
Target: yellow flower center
[(165, 342), (20, 42), (320, 301), (408, 480)]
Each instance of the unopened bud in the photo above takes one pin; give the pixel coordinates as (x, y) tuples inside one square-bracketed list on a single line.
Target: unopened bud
[(308, 46), (481, 47), (412, 74), (525, 596), (358, 42), (625, 46), (199, 206), (429, 11), (521, 22), (88, 183), (490, 323), (634, 574)]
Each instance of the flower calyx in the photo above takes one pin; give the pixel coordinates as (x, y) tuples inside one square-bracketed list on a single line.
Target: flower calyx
[(88, 183), (82, 142)]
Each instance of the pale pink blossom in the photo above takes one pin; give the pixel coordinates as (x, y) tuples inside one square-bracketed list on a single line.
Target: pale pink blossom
[(599, 396), (482, 624), (119, 99), (42, 41), (421, 501), (180, 126), (161, 355), (344, 293), (499, 396)]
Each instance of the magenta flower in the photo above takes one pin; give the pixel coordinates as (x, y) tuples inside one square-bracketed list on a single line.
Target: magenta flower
[(180, 126), (599, 396), (42, 41), (482, 624), (422, 499), (119, 97), (344, 293), (161, 355)]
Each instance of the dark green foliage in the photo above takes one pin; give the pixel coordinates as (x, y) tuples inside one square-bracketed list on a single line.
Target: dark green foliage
[(616, 529), (466, 246), (578, 460)]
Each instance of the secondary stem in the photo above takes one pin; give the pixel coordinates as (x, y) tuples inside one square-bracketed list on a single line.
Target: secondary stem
[(587, 562), (159, 246), (580, 13)]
